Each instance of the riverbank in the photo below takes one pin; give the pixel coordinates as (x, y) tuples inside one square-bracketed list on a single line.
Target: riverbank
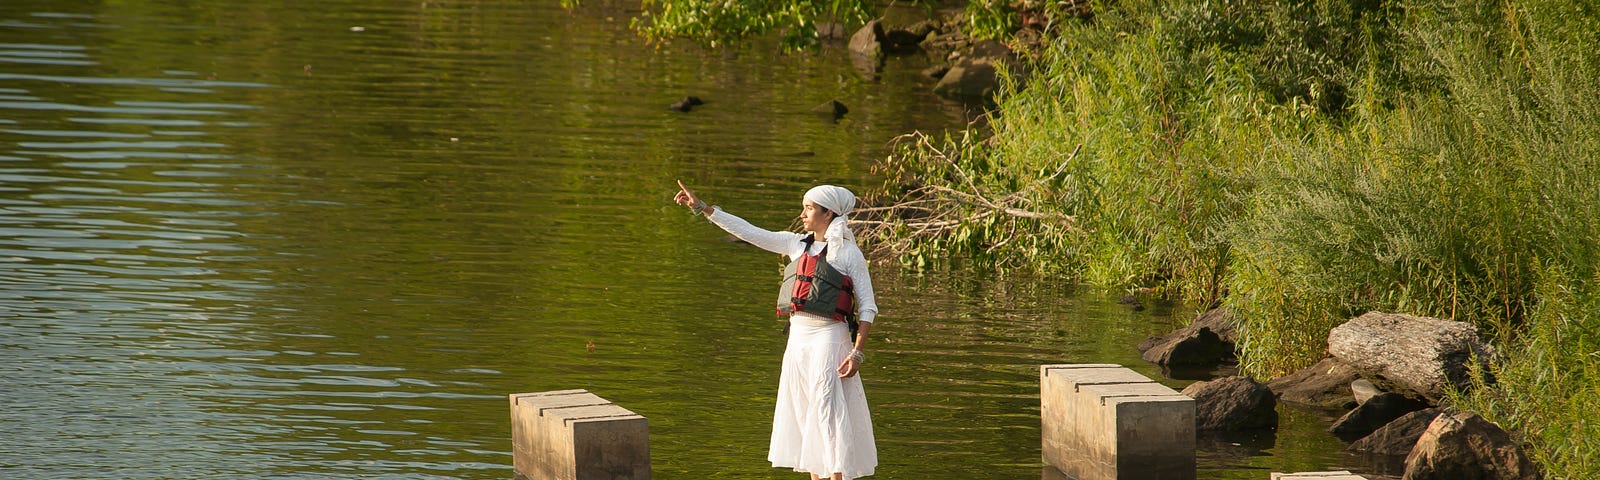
[(1303, 164)]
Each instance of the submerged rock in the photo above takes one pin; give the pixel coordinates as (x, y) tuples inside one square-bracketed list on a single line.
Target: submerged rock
[(833, 110)]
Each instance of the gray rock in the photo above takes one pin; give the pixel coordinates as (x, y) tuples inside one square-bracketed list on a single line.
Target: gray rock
[(1232, 403), (976, 75), (1377, 412), (1407, 353), (868, 41), (1326, 384), (1465, 446), (1397, 437), (866, 50)]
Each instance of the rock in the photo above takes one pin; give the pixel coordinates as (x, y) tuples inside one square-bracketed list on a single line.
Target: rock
[(831, 109), (1326, 384), (935, 72), (901, 41), (1397, 437), (1363, 390), (924, 28), (868, 41), (1464, 446), (831, 31), (1402, 352), (1377, 412), (1200, 343), (688, 103), (1132, 302), (976, 75), (968, 81), (1187, 348), (1219, 321), (1232, 403)]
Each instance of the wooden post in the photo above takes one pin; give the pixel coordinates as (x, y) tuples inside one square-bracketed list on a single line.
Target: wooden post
[(576, 435)]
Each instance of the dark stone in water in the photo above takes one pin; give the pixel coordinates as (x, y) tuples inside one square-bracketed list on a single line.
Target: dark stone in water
[(1397, 437), (688, 103), (1233, 403), (1377, 412), (832, 109)]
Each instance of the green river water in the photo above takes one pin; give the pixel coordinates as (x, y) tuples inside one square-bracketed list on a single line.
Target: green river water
[(326, 239)]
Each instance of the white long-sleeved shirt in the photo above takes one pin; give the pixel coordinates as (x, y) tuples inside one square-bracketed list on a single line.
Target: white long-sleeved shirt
[(847, 258)]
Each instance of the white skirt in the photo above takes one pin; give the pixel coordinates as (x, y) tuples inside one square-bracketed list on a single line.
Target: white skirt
[(821, 424)]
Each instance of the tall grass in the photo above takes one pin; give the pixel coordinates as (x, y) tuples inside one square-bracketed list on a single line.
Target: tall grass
[(1308, 161)]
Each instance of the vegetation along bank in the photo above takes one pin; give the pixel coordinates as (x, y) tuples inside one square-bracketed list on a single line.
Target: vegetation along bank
[(1301, 162)]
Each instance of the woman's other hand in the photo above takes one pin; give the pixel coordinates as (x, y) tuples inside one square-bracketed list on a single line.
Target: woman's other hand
[(686, 197), (849, 367)]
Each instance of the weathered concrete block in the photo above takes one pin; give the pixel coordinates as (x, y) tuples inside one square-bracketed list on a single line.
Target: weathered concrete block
[(1339, 475), (1104, 421), (576, 435)]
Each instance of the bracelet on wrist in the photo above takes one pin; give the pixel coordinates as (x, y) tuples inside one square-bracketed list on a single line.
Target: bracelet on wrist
[(698, 208)]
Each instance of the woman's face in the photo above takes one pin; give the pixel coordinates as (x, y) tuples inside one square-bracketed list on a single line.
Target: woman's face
[(815, 218)]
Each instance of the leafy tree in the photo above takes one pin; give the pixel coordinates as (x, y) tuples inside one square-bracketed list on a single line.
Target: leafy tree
[(720, 22)]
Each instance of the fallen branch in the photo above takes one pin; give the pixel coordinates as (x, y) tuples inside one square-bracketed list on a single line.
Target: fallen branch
[(934, 210)]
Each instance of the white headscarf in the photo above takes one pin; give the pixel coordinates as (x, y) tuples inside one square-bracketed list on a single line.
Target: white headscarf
[(839, 201)]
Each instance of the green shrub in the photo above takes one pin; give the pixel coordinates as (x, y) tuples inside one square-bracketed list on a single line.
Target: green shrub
[(1311, 161)]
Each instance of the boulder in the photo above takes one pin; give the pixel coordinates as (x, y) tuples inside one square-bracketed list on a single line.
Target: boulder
[(1400, 352), (1232, 403), (866, 50), (1207, 340), (868, 41), (1465, 446), (902, 41), (1326, 384), (1396, 438), (1377, 412), (976, 75), (969, 81)]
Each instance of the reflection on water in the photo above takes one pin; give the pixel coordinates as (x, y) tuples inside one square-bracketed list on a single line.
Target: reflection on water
[(261, 239)]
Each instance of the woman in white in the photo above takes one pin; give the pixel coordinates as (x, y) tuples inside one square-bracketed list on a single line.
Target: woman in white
[(821, 425)]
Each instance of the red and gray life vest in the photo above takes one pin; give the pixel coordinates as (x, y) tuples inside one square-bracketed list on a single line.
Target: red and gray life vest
[(813, 286)]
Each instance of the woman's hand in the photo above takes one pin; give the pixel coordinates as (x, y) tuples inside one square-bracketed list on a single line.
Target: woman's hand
[(686, 197), (851, 365)]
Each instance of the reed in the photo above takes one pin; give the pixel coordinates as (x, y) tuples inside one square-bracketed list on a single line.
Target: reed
[(1305, 162)]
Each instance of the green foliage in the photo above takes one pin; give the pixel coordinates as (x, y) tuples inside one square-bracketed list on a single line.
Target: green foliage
[(1307, 161), (999, 19), (716, 23)]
